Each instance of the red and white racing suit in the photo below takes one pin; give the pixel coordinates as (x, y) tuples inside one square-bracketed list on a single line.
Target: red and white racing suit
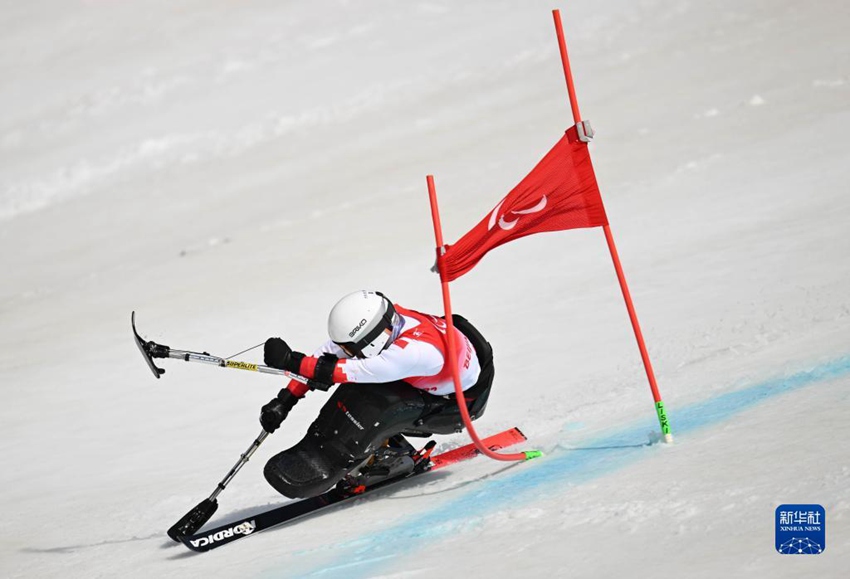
[(416, 355)]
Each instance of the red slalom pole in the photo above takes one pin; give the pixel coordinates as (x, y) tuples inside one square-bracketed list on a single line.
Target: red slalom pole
[(568, 74), (450, 334), (612, 248)]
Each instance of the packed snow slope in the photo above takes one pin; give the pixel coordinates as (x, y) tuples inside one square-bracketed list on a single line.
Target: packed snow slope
[(229, 169)]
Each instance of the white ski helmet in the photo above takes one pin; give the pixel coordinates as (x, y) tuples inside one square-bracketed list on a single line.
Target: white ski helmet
[(357, 323)]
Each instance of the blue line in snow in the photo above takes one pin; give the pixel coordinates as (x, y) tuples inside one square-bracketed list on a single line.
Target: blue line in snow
[(361, 557)]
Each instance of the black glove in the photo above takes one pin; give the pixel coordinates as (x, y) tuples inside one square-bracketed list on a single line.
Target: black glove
[(278, 354), (273, 413)]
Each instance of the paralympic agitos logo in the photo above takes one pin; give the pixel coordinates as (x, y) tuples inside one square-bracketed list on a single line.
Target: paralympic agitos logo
[(507, 224)]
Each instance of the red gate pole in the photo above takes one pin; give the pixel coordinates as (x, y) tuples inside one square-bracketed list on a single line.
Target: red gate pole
[(450, 334), (612, 248)]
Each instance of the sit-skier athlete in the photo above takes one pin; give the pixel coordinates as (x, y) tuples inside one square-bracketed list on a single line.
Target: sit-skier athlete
[(394, 380)]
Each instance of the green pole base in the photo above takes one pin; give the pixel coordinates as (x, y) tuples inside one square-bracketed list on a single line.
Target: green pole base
[(529, 454), (662, 420)]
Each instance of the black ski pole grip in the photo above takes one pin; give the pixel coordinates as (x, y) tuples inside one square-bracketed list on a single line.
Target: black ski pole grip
[(316, 385)]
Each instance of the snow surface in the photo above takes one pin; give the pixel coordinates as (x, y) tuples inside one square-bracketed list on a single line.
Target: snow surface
[(228, 170)]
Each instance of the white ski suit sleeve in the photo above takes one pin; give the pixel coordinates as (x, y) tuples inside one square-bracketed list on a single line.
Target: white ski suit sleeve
[(403, 359)]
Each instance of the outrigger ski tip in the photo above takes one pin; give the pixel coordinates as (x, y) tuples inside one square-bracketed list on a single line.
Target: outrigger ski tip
[(145, 348), (291, 511)]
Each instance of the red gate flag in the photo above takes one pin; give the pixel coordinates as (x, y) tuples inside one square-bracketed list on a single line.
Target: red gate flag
[(559, 193)]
